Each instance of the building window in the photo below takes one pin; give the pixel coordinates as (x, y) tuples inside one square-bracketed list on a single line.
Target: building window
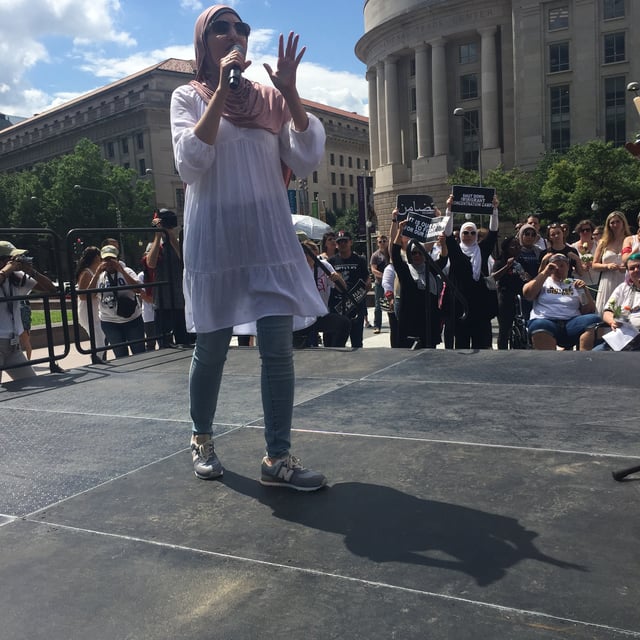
[(334, 201), (332, 159), (110, 150), (140, 141), (180, 199), (470, 141), (342, 161), (352, 200), (343, 200), (124, 145), (342, 179), (468, 53), (357, 163), (412, 67), (350, 162), (560, 118), (333, 177), (351, 180), (413, 100), (468, 86), (559, 57), (366, 164), (613, 9), (614, 48), (558, 18), (615, 110), (315, 177), (142, 167)]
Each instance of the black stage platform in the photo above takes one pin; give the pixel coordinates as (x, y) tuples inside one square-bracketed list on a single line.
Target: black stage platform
[(471, 497)]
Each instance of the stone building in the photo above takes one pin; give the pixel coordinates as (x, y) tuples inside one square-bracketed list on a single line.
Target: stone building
[(529, 75), (129, 120)]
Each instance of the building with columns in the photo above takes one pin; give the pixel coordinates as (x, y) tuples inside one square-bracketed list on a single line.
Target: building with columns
[(530, 76)]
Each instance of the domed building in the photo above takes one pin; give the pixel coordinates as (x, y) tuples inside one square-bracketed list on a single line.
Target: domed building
[(523, 76)]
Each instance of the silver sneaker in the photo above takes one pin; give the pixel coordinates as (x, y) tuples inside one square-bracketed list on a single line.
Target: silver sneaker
[(206, 464), (289, 472)]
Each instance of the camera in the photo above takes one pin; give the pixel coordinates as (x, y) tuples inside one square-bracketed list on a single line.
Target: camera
[(165, 218), (24, 259)]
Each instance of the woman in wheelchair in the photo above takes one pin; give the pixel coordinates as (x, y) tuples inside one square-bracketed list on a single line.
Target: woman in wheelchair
[(563, 313)]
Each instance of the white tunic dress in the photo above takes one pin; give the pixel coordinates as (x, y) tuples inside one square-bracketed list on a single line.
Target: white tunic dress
[(242, 258)]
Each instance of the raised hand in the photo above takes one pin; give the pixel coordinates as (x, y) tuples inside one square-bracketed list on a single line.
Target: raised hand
[(284, 78)]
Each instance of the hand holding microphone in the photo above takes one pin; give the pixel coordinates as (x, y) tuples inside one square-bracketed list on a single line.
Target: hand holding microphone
[(235, 73)]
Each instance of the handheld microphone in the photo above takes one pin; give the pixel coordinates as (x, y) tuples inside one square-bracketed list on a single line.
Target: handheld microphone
[(236, 74)]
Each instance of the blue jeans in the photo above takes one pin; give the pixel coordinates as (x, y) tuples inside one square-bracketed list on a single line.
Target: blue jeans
[(124, 332), (277, 380), (566, 332)]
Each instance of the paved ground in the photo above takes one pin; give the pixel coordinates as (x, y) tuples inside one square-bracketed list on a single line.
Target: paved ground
[(470, 497)]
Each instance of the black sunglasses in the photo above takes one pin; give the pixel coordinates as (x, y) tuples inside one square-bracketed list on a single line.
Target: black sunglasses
[(586, 230), (468, 233), (529, 233), (223, 28)]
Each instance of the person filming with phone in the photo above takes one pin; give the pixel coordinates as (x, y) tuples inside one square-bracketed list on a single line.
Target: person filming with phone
[(18, 277)]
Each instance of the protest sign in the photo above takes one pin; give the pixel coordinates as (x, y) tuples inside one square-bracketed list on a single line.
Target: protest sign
[(424, 228), (406, 203), (349, 303), (474, 200)]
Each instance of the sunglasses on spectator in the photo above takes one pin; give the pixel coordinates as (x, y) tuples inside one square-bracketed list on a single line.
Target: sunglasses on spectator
[(468, 233), (586, 230), (223, 28), (382, 240), (529, 233)]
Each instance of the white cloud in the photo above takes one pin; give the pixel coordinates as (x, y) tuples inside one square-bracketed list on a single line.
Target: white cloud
[(191, 5)]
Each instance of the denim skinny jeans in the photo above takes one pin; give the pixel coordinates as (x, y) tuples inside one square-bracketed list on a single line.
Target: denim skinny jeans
[(275, 339)]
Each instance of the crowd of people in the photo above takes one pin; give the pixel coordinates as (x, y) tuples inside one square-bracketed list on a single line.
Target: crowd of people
[(563, 284)]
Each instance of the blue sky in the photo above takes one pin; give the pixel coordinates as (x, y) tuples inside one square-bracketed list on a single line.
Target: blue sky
[(54, 50)]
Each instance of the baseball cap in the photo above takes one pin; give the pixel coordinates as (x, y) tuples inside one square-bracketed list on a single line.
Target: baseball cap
[(109, 251), (7, 250), (343, 235)]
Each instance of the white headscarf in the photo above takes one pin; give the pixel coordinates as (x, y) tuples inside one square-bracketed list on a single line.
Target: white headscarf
[(419, 273), (472, 250)]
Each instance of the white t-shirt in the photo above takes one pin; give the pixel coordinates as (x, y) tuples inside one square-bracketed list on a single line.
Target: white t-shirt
[(556, 301), (148, 310), (107, 300), (323, 282), (10, 319), (626, 300)]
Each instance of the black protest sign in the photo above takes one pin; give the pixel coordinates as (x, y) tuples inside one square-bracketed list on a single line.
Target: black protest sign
[(349, 304), (413, 202), (474, 200), (424, 228)]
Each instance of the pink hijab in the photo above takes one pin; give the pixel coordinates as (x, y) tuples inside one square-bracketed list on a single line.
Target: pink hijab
[(252, 105)]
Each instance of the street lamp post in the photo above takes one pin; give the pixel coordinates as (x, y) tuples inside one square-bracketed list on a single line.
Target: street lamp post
[(459, 112)]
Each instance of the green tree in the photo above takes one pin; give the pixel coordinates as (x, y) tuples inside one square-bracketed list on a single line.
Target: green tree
[(46, 195), (592, 172)]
